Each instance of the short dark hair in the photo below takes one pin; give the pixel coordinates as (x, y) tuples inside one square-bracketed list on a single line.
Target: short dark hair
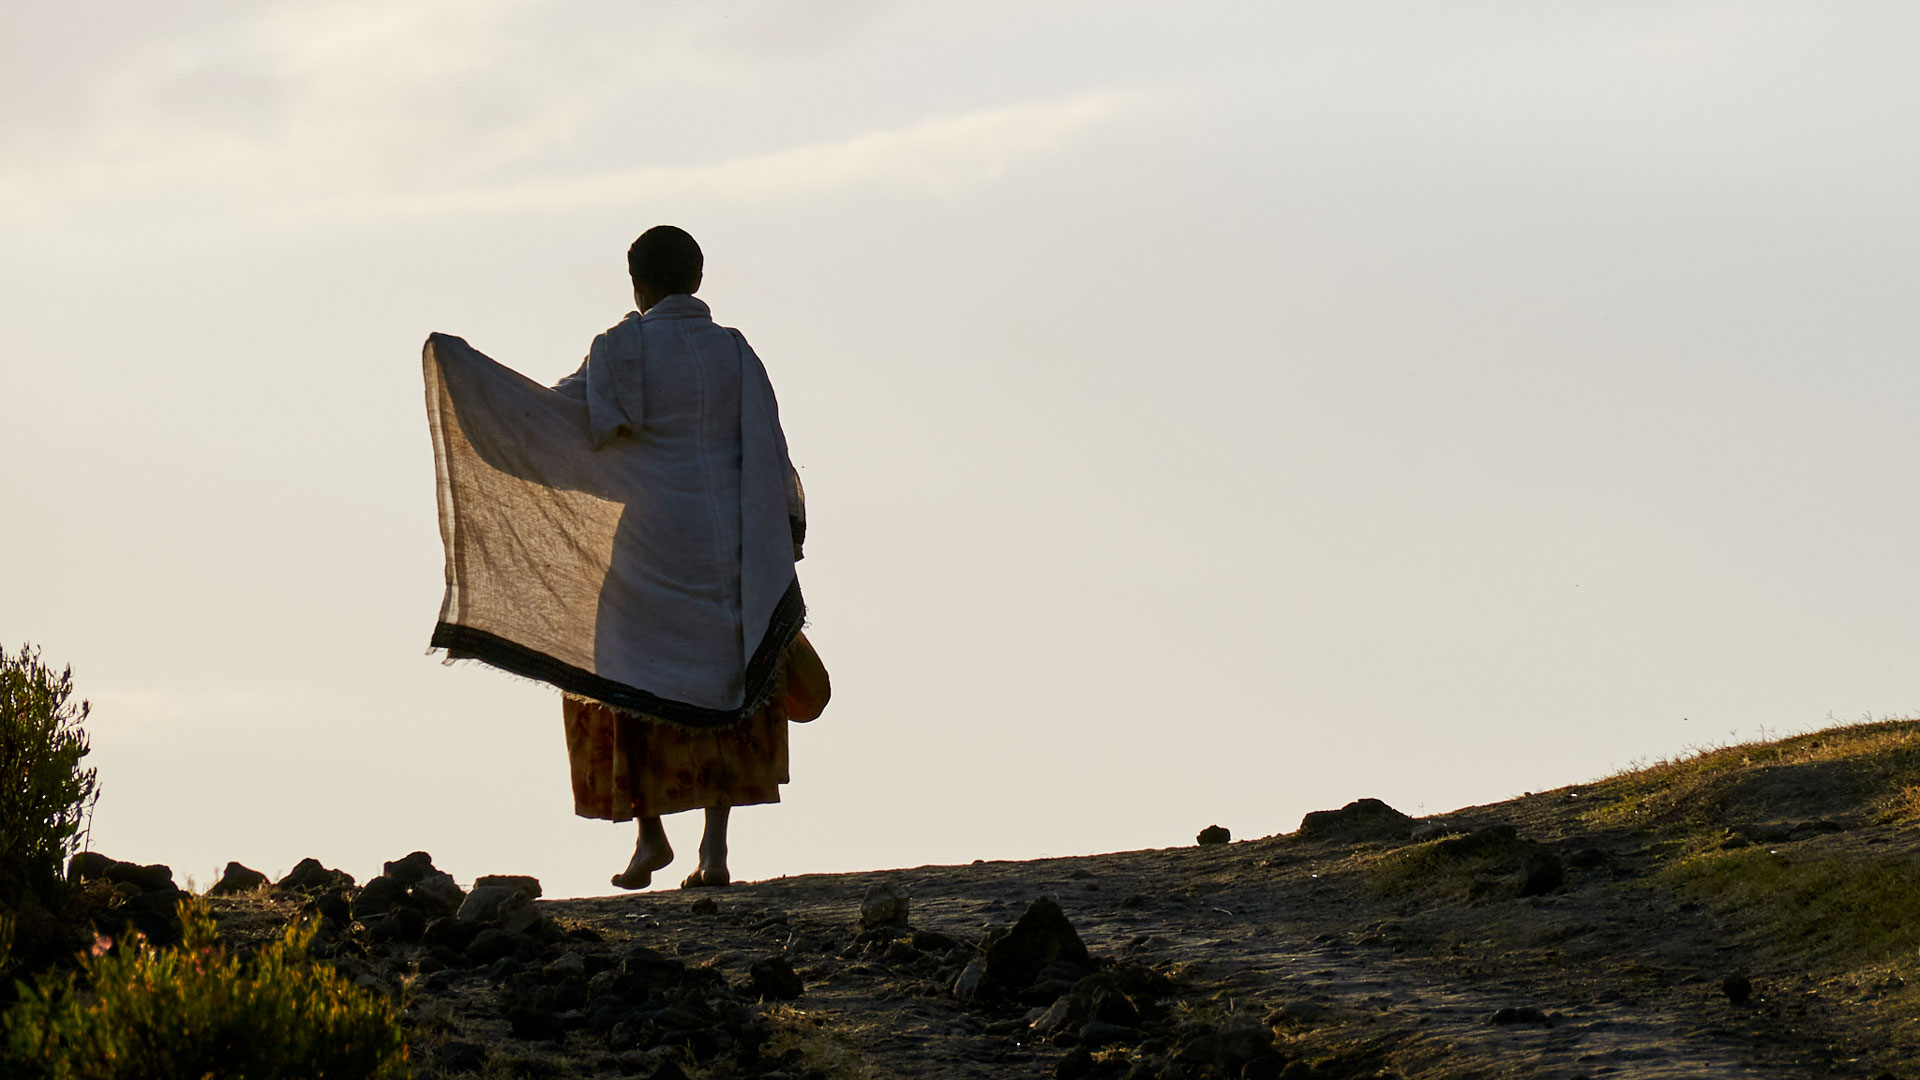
[(666, 259)]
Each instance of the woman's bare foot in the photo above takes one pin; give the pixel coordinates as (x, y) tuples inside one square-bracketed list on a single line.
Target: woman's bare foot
[(713, 853), (650, 853)]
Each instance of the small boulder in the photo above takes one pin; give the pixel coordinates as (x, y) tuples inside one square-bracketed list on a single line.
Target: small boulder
[(308, 875), (410, 869), (1042, 936), (1544, 873), (88, 865), (520, 882), (378, 897), (1517, 1014), (1362, 819), (1213, 834), (482, 905), (883, 905), (155, 877), (1738, 988), (971, 983), (238, 879), (437, 894), (774, 979)]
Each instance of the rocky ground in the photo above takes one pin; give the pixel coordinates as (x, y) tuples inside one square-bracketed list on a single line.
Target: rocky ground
[(1584, 932)]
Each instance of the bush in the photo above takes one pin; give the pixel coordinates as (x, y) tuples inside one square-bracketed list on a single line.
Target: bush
[(193, 1011), (45, 795)]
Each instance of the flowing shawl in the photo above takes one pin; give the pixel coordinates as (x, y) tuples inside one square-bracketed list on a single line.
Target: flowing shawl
[(614, 558)]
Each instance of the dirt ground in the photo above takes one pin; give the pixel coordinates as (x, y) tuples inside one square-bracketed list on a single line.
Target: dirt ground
[(1563, 934)]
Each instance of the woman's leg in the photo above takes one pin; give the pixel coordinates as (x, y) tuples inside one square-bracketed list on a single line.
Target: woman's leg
[(650, 852), (713, 851)]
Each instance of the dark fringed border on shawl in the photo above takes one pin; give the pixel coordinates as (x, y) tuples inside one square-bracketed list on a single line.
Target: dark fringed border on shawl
[(467, 643)]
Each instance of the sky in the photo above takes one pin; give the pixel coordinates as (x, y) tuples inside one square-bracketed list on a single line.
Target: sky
[(1209, 412)]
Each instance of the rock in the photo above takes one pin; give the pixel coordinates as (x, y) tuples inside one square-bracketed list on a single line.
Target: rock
[(775, 980), (237, 879), (482, 905), (437, 894), (458, 1057), (155, 914), (519, 882), (492, 944), (900, 952), (308, 875), (1042, 936), (408, 924), (88, 865), (450, 933), (1077, 1064), (156, 877), (883, 905), (378, 897), (972, 982), (1213, 834), (1362, 819), (1429, 830), (1517, 1014), (1738, 988), (567, 964), (410, 869)]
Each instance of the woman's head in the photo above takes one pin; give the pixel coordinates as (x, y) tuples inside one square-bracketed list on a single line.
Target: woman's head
[(664, 261)]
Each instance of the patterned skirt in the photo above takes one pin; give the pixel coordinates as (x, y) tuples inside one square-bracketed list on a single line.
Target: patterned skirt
[(625, 766)]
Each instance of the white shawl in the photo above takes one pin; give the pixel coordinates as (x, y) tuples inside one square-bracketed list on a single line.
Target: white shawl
[(620, 537)]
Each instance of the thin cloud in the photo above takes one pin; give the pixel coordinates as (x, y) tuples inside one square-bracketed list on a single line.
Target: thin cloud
[(943, 157)]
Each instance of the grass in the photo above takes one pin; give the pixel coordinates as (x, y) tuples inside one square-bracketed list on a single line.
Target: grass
[(1874, 766)]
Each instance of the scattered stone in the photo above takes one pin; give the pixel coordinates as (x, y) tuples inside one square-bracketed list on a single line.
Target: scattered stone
[(521, 882), (775, 980), (410, 869), (308, 875), (378, 897), (1042, 936), (1738, 988), (237, 879), (1297, 1012), (883, 905), (706, 905), (972, 982), (156, 877), (437, 894), (1095, 1034), (88, 865), (1213, 834), (1430, 830), (567, 964), (1362, 819), (482, 905), (1521, 1014), (491, 945)]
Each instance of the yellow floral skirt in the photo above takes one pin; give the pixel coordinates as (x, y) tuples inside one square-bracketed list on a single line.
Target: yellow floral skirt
[(625, 766)]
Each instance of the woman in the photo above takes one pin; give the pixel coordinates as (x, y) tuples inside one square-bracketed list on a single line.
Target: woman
[(687, 374), (647, 569)]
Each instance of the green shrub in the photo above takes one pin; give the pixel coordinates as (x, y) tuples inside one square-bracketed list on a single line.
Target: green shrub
[(45, 795), (194, 1012)]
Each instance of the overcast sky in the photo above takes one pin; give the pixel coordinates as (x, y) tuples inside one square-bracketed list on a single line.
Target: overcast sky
[(1209, 412)]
